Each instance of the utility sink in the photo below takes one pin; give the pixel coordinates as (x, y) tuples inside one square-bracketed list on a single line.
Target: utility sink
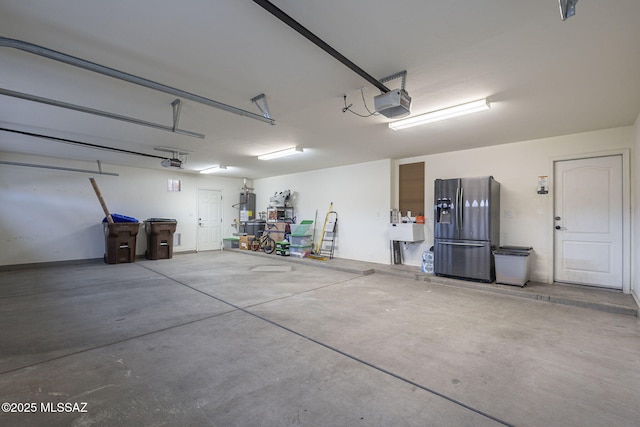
[(406, 232)]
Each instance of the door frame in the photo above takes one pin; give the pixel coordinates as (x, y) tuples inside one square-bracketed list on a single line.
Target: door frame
[(221, 216), (626, 210)]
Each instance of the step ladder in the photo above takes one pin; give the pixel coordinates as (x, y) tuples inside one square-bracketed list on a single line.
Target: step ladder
[(327, 243)]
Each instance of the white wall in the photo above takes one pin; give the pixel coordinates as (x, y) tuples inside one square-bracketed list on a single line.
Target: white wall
[(635, 184), (49, 215), (516, 166), (360, 196)]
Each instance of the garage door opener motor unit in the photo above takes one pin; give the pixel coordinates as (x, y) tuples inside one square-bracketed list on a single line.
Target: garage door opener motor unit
[(395, 103)]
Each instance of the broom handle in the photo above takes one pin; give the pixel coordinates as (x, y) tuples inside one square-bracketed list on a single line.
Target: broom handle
[(101, 200)]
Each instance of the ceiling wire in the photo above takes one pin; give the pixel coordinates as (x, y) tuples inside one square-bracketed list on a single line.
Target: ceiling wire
[(364, 102), (86, 144)]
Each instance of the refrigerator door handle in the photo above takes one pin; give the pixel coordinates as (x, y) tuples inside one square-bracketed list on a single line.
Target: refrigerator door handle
[(457, 208), (460, 211), (461, 244)]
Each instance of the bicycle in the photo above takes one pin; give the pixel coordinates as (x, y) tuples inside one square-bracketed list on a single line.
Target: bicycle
[(264, 242)]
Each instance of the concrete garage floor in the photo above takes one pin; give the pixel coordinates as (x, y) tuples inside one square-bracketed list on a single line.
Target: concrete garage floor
[(234, 339)]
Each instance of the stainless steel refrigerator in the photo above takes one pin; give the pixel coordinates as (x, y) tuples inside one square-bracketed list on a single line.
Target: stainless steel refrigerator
[(466, 227)]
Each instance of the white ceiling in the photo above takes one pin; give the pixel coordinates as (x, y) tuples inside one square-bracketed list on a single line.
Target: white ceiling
[(544, 77)]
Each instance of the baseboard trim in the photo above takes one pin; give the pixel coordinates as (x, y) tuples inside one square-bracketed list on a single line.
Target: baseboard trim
[(66, 263)]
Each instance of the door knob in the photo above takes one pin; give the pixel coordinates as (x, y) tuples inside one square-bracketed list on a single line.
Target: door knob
[(558, 218), (558, 227)]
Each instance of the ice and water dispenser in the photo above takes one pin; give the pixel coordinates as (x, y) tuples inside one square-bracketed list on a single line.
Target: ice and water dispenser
[(443, 211)]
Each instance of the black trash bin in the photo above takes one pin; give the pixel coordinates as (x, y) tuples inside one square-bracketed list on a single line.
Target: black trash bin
[(160, 237), (120, 239)]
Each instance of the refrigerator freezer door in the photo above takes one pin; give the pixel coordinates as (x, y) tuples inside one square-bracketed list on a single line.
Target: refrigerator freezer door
[(464, 259), (446, 215)]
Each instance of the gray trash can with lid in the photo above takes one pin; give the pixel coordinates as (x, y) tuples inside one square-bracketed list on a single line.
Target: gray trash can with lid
[(513, 265)]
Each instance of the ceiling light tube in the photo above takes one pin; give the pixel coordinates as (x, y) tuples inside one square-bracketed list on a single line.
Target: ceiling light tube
[(281, 153), (213, 169), (446, 113)]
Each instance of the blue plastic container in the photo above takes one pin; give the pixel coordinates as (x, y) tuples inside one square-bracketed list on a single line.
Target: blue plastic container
[(120, 218)]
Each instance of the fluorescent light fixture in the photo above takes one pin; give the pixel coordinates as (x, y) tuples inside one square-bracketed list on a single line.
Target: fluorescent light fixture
[(446, 113), (213, 169), (281, 153)]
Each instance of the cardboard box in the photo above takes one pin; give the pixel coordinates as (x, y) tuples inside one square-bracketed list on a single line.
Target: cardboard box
[(245, 242), (276, 227), (276, 230)]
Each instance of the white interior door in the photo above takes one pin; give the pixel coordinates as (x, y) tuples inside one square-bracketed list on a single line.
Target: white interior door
[(209, 220), (589, 222)]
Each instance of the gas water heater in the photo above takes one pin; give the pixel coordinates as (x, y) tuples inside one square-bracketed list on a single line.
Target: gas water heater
[(247, 206)]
